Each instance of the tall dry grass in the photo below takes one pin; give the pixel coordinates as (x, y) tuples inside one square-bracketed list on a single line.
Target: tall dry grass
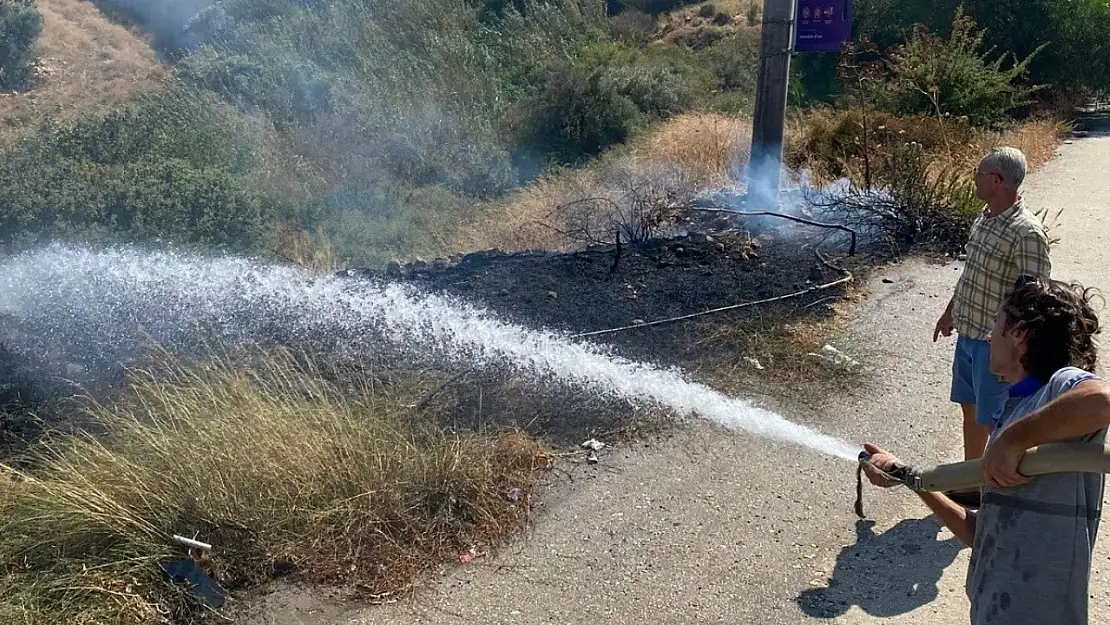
[(86, 64), (686, 154), (260, 456), (831, 143)]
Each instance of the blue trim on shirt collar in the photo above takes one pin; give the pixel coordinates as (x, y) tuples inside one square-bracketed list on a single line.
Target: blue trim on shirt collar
[(1026, 387)]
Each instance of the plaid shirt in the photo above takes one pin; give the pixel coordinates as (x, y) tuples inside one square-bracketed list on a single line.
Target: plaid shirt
[(1001, 250)]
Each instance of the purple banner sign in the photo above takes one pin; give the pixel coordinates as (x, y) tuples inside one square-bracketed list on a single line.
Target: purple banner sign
[(822, 25)]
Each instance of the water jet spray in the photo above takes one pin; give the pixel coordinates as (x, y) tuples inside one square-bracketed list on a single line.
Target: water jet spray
[(86, 306)]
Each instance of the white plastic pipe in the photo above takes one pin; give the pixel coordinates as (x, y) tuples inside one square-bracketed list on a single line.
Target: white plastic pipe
[(191, 543)]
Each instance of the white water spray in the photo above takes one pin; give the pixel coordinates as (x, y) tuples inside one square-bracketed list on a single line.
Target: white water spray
[(103, 298)]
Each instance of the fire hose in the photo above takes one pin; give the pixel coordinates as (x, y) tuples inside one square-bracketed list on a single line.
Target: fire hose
[(1045, 459)]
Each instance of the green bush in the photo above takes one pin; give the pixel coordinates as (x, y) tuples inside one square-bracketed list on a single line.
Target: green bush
[(707, 10), (370, 222), (414, 91), (174, 167), (929, 75), (52, 197), (603, 96), (909, 203), (20, 25), (753, 13), (291, 90), (178, 124), (576, 115), (734, 62), (1076, 54)]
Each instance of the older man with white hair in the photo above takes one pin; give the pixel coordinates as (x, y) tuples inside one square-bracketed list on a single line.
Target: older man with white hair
[(1007, 246)]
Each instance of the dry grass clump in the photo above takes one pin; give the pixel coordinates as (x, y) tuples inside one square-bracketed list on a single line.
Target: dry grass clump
[(86, 64), (778, 349), (1038, 138), (279, 469), (832, 144), (700, 25), (711, 148), (564, 210)]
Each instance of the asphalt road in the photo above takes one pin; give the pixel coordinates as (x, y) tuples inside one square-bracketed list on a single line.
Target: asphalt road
[(716, 526)]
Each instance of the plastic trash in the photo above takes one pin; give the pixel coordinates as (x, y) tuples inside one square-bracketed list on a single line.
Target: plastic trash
[(836, 358), (594, 445), (200, 584)]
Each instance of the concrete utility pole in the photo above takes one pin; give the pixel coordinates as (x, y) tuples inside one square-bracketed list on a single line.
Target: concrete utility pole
[(770, 103)]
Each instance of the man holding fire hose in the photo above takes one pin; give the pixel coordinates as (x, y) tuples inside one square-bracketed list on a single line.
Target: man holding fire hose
[(1007, 244), (1032, 538)]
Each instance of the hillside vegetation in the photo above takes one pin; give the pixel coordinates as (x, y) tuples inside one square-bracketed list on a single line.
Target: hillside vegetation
[(357, 131)]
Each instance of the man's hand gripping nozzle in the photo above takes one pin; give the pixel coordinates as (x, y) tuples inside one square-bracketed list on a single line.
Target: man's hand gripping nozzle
[(895, 477)]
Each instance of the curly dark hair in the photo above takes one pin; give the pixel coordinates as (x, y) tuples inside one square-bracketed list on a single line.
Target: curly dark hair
[(1060, 322)]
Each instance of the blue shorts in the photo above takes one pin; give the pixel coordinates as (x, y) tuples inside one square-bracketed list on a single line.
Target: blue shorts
[(973, 382)]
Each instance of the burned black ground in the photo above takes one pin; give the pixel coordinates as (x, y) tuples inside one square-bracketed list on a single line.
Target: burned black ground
[(715, 263), (597, 289)]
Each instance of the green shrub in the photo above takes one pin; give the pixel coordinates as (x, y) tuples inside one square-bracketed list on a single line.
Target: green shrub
[(722, 19), (370, 222), (414, 91), (908, 203), (493, 10), (734, 62), (1073, 34), (707, 10), (52, 197), (179, 124), (290, 90), (20, 25), (929, 75), (603, 96), (753, 13), (577, 113), (175, 167), (658, 92)]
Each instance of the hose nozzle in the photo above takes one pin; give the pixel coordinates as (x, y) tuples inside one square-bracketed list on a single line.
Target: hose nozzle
[(899, 474)]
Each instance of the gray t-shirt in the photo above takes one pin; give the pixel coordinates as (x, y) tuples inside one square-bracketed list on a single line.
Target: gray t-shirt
[(1031, 557)]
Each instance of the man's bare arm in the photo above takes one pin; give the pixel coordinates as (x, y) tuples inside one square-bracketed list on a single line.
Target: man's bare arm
[(1080, 411), (951, 515), (1083, 410)]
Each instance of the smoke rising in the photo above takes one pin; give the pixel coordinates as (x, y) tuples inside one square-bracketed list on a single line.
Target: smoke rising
[(165, 19)]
